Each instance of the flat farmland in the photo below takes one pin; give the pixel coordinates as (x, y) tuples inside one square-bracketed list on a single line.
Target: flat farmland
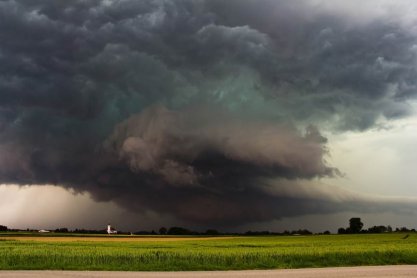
[(169, 253)]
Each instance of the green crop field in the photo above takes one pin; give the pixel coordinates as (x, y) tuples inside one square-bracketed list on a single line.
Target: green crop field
[(194, 253)]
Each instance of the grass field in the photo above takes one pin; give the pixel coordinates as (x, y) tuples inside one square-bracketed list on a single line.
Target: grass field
[(28, 251)]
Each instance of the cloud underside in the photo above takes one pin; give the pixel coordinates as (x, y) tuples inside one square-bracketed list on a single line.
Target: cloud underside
[(206, 110)]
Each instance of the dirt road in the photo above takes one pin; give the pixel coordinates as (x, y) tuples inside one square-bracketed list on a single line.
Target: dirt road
[(342, 272)]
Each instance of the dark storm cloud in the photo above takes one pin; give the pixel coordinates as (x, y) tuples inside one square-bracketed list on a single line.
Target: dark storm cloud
[(186, 107), (194, 164)]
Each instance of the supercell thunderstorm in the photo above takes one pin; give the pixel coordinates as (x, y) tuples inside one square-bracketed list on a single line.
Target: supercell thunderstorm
[(209, 111)]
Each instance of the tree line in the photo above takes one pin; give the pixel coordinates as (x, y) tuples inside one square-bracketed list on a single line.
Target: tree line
[(355, 227)]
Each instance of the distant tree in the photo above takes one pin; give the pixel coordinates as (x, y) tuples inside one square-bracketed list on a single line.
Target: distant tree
[(163, 231), (257, 233), (61, 230), (326, 233), (389, 229), (355, 225), (404, 230), (3, 228), (179, 231), (142, 233), (84, 231), (377, 229), (301, 232), (341, 231)]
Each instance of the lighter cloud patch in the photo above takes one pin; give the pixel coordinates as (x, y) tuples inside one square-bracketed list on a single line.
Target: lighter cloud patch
[(106, 3), (378, 161), (364, 12)]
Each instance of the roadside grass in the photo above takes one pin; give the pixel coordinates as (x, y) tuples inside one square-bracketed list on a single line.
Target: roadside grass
[(215, 254)]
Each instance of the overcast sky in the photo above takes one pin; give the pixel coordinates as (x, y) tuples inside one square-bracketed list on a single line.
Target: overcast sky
[(235, 115)]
